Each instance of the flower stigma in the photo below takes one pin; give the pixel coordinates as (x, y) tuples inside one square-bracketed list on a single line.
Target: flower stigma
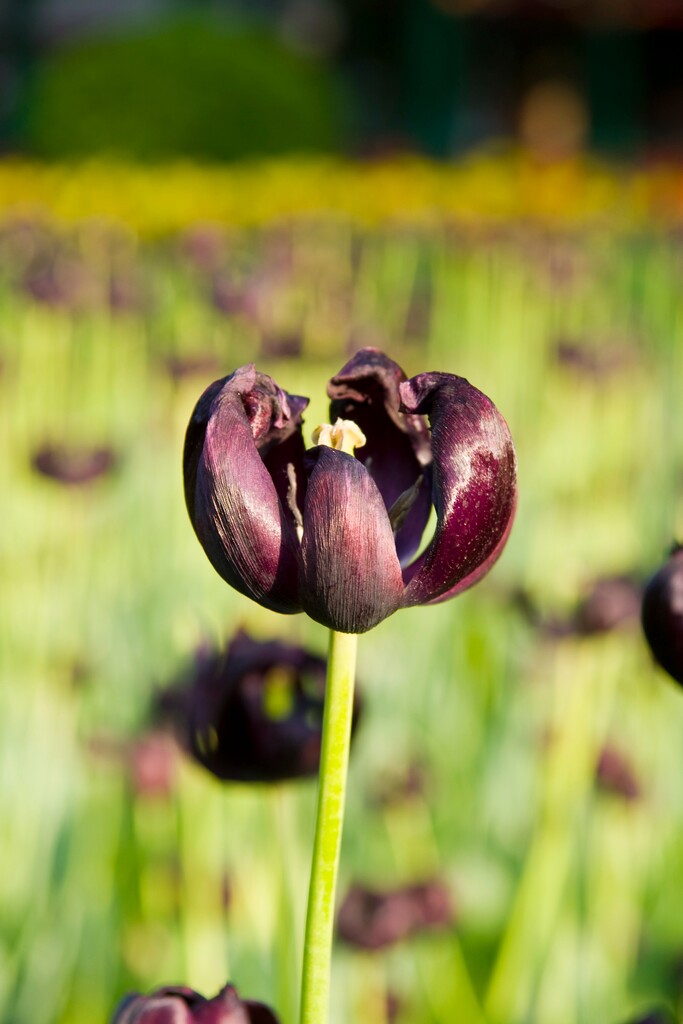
[(343, 436)]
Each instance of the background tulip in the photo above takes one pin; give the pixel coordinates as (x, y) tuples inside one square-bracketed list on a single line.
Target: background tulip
[(253, 713), (180, 1005), (374, 920)]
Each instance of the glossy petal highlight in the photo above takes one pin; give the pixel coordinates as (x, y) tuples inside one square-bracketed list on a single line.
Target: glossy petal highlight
[(474, 488)]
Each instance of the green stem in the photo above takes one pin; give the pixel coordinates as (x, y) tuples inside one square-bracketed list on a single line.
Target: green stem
[(334, 758)]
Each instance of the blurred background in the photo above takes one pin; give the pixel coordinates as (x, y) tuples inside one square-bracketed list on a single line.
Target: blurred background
[(222, 78), (487, 188)]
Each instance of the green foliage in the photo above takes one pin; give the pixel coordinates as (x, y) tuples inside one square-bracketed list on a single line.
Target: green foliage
[(569, 898), (195, 87)]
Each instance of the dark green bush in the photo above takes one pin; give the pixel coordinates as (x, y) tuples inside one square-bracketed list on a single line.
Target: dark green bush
[(198, 88)]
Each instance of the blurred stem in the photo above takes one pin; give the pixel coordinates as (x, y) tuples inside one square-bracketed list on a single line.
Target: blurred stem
[(581, 714), (334, 759), (286, 951)]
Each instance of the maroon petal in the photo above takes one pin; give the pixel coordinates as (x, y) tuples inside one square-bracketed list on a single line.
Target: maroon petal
[(350, 575), (397, 449), (236, 500), (474, 488)]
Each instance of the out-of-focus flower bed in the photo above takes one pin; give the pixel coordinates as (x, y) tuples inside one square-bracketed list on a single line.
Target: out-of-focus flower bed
[(513, 844), (479, 190)]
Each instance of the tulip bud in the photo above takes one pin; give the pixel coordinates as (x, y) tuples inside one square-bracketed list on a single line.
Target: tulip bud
[(662, 615), (336, 532)]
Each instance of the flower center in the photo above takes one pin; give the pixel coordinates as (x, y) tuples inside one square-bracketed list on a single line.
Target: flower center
[(344, 436)]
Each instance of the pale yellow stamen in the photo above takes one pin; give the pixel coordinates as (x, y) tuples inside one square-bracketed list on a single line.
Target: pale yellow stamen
[(344, 436)]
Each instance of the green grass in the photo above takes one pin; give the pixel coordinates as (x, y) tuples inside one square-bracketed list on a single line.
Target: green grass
[(570, 902)]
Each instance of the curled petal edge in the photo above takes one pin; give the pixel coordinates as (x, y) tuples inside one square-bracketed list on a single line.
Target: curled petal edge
[(474, 486)]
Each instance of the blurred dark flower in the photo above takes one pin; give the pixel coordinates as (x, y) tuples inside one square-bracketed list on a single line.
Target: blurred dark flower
[(253, 299), (373, 920), (181, 1005), (327, 533), (662, 615), (59, 283), (400, 789), (73, 466), (227, 297), (614, 774), (204, 246), (591, 361), (125, 294), (610, 602), (253, 714), (281, 345)]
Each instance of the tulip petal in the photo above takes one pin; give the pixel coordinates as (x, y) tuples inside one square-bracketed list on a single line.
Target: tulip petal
[(397, 450), (350, 575), (235, 505), (474, 489)]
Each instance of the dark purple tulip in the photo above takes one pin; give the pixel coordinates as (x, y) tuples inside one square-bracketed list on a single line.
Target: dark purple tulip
[(662, 615), (374, 920), (253, 714), (181, 1005), (73, 466), (324, 532), (612, 602)]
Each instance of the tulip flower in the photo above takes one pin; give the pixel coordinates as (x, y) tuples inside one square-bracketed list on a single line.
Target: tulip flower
[(334, 535), (180, 1005), (338, 533), (253, 713)]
